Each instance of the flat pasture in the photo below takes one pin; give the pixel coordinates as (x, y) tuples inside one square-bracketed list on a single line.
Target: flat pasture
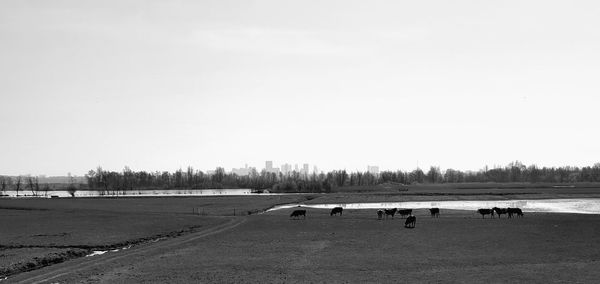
[(458, 247), (35, 232), (447, 192), (271, 247)]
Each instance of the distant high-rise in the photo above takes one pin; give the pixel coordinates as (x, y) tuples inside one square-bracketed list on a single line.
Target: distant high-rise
[(373, 169), (315, 170), (242, 171), (286, 168), (305, 169), (268, 166)]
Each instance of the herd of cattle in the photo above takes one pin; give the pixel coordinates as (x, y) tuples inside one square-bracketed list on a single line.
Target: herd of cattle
[(411, 220), (500, 211)]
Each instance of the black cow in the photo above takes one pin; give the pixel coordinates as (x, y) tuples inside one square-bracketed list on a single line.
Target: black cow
[(410, 222), (298, 213), (336, 210), (512, 211), (379, 214), (404, 212), (484, 212), (391, 212), (500, 211), (435, 212)]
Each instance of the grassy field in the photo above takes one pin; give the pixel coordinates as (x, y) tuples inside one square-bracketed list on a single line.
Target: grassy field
[(36, 232), (458, 247), (265, 248), (459, 192)]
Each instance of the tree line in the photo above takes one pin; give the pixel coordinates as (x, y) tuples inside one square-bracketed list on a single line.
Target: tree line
[(30, 185), (119, 182), (110, 182)]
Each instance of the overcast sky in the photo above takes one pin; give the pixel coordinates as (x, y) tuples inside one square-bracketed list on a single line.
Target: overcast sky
[(158, 85)]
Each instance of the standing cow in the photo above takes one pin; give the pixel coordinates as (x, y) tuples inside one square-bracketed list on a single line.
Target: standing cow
[(435, 212), (379, 214), (298, 213), (410, 222), (512, 211), (500, 211), (405, 212), (336, 210), (484, 212), (390, 212)]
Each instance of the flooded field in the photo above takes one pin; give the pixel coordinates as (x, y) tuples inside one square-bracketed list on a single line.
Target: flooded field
[(579, 205), (134, 193)]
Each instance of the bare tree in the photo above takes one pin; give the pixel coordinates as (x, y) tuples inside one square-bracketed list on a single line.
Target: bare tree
[(46, 189), (18, 185), (3, 184), (36, 183), (31, 185), (71, 189)]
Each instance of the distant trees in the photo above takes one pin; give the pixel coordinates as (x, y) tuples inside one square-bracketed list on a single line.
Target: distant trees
[(113, 183), (434, 175), (127, 180)]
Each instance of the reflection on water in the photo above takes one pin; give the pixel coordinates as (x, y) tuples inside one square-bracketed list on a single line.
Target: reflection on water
[(97, 252), (581, 205), (101, 252)]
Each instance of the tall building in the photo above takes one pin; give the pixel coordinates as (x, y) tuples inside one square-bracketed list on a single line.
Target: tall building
[(269, 166), (286, 168), (315, 170), (242, 171), (373, 169), (305, 169)]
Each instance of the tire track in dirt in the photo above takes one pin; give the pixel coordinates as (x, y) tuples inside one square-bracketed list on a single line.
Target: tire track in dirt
[(81, 264)]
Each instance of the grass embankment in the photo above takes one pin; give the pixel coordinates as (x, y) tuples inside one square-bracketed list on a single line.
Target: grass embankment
[(458, 192), (37, 232), (458, 247)]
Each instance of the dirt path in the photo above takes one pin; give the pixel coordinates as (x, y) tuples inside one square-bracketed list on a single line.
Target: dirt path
[(79, 267)]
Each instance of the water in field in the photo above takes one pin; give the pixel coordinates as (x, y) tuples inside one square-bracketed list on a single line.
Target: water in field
[(580, 205), (134, 193)]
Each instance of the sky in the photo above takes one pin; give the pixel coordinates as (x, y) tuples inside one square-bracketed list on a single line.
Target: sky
[(160, 85)]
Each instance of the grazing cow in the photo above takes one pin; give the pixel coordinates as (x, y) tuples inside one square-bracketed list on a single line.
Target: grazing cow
[(379, 214), (410, 222), (484, 212), (336, 210), (298, 213), (500, 211), (391, 212), (404, 212), (435, 212), (512, 211)]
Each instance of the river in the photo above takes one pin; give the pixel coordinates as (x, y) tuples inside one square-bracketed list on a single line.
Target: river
[(575, 205)]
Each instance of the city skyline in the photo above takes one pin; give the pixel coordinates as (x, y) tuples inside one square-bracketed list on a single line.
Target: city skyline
[(246, 169)]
